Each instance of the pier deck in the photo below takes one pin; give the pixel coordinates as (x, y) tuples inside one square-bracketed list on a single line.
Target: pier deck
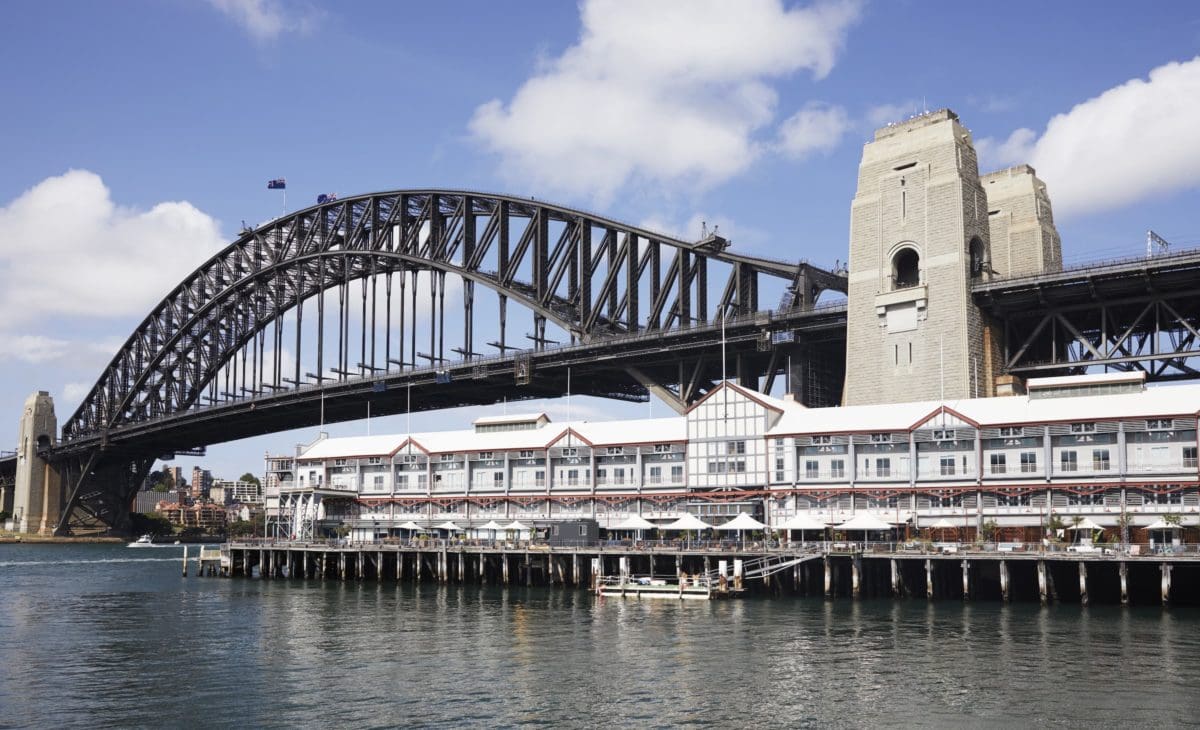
[(831, 569)]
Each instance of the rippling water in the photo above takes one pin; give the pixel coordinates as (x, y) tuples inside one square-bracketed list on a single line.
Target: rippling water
[(105, 635)]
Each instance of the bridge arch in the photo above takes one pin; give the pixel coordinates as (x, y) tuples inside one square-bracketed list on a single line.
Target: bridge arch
[(587, 275)]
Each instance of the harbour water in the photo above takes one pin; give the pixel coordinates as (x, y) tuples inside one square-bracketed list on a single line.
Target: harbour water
[(98, 635)]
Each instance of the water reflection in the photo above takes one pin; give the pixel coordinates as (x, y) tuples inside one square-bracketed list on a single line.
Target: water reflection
[(91, 643)]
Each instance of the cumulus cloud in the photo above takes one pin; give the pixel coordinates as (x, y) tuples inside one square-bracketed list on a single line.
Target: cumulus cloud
[(34, 349), (1131, 142), (67, 249), (266, 20), (815, 128), (660, 92)]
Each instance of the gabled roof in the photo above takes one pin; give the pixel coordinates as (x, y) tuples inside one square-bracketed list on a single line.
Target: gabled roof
[(766, 401), (1158, 402)]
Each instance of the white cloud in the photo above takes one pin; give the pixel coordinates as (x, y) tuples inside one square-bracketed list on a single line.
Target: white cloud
[(815, 128), (266, 20), (67, 249), (1133, 141), (882, 115), (74, 392), (659, 92), (32, 348)]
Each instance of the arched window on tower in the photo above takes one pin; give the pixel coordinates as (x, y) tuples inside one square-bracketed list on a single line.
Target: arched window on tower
[(979, 261), (906, 268)]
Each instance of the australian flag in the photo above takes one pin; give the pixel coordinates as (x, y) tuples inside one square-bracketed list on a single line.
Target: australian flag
[(278, 183), (326, 198)]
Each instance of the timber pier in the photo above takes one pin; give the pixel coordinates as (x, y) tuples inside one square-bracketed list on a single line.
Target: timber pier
[(833, 570)]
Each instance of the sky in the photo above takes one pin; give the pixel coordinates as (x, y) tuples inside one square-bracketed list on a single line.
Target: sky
[(136, 138)]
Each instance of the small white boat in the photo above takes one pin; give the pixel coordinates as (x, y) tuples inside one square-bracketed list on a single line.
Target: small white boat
[(143, 541)]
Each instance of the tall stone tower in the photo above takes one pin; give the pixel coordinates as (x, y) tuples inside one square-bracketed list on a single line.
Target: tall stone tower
[(37, 498), (1021, 224), (918, 234), (924, 227)]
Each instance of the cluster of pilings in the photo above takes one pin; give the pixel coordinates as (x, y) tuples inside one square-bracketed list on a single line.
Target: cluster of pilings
[(1067, 579)]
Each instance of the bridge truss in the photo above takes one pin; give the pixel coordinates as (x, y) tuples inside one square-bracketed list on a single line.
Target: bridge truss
[(1135, 314), (409, 300)]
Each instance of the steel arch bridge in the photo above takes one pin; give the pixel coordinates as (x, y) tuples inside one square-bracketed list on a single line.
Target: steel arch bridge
[(317, 313)]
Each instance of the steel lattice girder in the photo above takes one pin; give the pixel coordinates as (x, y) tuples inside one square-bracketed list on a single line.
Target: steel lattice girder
[(167, 363)]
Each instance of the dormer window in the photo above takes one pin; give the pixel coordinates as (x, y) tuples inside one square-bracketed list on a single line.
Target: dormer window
[(1078, 428), (881, 438)]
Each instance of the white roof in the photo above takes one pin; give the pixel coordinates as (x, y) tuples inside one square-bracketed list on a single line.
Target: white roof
[(1133, 376), (353, 446), (1168, 400), (514, 418), (600, 433)]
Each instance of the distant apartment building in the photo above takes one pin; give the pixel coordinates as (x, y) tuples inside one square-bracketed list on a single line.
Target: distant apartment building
[(173, 475), (202, 480), (224, 491), (208, 517)]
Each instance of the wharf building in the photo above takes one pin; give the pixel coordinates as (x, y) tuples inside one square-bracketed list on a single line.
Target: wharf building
[(930, 429), (1103, 447)]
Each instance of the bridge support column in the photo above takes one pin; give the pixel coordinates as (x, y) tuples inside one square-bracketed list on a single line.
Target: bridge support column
[(895, 568), (828, 578), (1083, 591), (966, 577), (37, 493), (1004, 580), (928, 578), (856, 576), (1166, 583), (1123, 571), (575, 569), (504, 566), (1043, 594)]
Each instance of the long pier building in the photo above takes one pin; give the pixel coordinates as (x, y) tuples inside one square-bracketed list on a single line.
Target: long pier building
[(1100, 447)]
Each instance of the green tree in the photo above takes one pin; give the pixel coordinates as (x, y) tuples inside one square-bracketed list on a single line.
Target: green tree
[(250, 479), (151, 524)]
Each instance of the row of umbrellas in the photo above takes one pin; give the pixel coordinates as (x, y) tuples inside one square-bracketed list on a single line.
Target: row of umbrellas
[(743, 521), (451, 527)]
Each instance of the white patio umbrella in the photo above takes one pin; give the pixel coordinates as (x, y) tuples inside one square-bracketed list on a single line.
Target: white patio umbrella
[(517, 527), (410, 525), (634, 522), (740, 524), (864, 521), (945, 524), (687, 522), (801, 521), (449, 527), (491, 525), (1163, 525), (1085, 524)]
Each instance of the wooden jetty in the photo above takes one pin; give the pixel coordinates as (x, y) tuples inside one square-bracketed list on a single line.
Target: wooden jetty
[(852, 571)]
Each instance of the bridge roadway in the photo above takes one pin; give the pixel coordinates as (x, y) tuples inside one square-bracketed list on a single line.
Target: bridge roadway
[(1108, 300), (601, 368)]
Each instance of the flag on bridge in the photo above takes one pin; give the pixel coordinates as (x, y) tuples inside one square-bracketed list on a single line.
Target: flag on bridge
[(278, 183), (326, 198)]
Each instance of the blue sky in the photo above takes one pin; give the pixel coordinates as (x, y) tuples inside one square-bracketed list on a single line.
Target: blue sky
[(173, 114)]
